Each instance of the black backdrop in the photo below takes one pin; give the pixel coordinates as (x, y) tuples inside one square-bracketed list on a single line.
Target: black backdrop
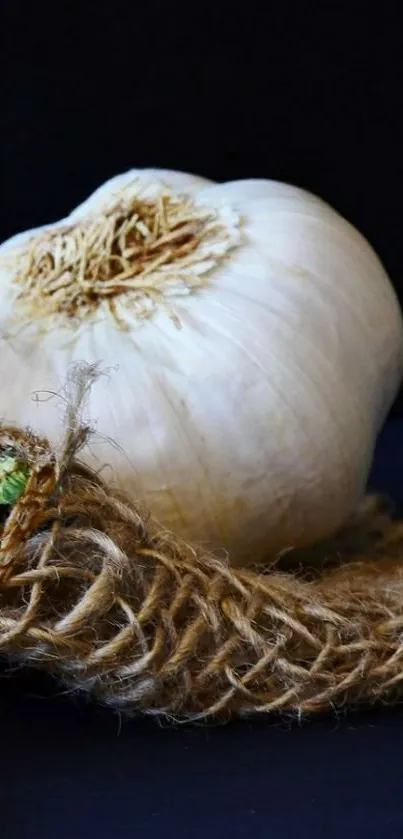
[(303, 92)]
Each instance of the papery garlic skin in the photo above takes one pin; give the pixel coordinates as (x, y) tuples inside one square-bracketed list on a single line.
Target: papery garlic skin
[(252, 427)]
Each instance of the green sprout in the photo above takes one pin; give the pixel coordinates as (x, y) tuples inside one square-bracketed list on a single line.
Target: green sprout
[(13, 479)]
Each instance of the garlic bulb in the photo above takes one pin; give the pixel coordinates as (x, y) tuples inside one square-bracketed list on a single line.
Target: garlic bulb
[(253, 341)]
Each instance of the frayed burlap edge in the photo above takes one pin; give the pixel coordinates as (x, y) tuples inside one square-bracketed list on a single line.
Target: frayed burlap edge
[(95, 592)]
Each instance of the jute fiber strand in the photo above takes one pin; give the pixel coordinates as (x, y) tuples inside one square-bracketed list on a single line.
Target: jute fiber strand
[(92, 590)]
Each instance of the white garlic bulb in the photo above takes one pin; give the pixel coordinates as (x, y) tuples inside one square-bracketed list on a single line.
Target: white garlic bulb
[(254, 351)]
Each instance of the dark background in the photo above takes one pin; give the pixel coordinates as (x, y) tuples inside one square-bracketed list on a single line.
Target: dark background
[(308, 93), (302, 92)]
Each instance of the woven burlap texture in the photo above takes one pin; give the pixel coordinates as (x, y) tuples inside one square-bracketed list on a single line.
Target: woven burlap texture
[(94, 591)]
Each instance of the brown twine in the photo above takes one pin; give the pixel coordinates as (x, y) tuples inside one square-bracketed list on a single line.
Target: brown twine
[(92, 590)]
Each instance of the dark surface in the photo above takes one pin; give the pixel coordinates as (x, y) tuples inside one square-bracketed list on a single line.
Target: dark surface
[(72, 770), (70, 774)]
